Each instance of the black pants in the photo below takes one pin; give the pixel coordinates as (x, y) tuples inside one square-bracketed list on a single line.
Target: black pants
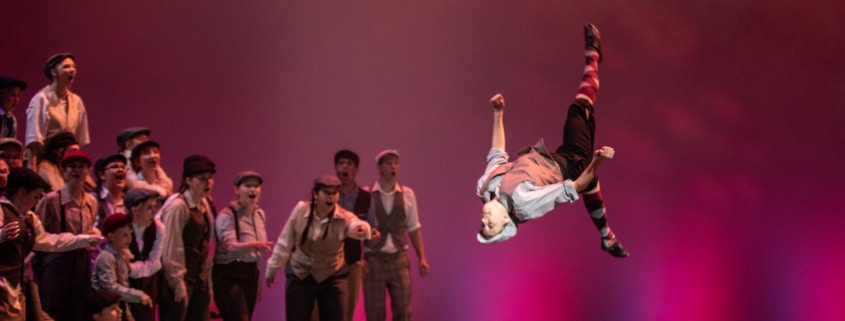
[(235, 289), (198, 297), (329, 294), (150, 286), (576, 152), (64, 281)]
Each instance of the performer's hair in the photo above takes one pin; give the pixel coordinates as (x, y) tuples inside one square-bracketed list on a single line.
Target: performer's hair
[(313, 209), (348, 154)]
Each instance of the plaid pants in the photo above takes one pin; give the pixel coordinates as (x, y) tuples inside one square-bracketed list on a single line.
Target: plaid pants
[(389, 272)]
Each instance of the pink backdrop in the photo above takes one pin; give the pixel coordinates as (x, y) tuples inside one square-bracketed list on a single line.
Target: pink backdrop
[(726, 117)]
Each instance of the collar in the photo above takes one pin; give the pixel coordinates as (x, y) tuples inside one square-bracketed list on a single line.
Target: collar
[(66, 197), (238, 208), (125, 254), (189, 198), (396, 188)]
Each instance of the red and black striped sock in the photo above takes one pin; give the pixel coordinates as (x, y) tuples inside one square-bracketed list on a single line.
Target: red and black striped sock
[(590, 81)]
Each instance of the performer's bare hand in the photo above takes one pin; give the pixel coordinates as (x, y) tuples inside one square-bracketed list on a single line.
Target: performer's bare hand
[(605, 152), (146, 300), (498, 102), (423, 267), (93, 240), (360, 232), (376, 237), (261, 247), (10, 231), (180, 297)]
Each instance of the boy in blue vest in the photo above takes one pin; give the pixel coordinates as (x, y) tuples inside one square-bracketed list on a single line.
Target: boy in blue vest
[(538, 180)]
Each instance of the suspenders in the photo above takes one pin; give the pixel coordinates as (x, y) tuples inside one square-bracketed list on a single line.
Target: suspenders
[(238, 224), (63, 219)]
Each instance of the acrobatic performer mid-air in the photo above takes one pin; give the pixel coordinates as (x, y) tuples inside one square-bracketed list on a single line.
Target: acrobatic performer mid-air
[(538, 180)]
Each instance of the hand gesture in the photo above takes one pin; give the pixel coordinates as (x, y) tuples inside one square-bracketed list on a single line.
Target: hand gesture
[(10, 231), (605, 152), (180, 296), (146, 300), (423, 267), (376, 236), (270, 281), (360, 232), (262, 247), (498, 102), (93, 240)]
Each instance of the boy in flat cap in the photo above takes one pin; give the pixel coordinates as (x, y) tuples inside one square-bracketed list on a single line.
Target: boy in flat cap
[(12, 151), (393, 212), (110, 175), (537, 181), (146, 171), (69, 209), (111, 272), (129, 137), (186, 260), (241, 240), (10, 91), (54, 108), (146, 248), (22, 233), (311, 243)]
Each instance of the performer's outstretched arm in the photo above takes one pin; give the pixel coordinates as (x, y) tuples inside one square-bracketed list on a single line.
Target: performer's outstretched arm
[(498, 102), (589, 173)]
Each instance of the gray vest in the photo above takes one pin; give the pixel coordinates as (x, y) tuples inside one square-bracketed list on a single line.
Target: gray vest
[(393, 224), (534, 164)]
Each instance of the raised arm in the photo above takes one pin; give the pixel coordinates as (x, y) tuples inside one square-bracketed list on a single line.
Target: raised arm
[(498, 102), (589, 173)]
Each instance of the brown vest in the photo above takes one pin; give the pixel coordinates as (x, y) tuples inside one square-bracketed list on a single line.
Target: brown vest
[(196, 236), (325, 253), (12, 252), (393, 224)]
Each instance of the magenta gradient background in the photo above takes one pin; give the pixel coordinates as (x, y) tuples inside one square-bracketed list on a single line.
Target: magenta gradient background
[(726, 116)]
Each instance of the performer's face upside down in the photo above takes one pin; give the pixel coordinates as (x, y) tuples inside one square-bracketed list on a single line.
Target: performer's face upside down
[(494, 216)]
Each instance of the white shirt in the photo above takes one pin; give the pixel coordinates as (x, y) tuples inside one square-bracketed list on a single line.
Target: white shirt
[(529, 200), (412, 222)]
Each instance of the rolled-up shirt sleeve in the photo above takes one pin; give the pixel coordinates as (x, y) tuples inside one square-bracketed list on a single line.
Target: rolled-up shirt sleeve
[(148, 267), (286, 242), (412, 218), (174, 217), (532, 201), (62, 242), (495, 158)]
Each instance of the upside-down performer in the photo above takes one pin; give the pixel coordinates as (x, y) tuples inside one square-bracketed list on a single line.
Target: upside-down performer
[(538, 180)]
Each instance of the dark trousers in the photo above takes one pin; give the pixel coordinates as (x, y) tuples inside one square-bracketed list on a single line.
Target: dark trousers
[(150, 286), (329, 294), (576, 152), (197, 308), (64, 280), (235, 289)]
